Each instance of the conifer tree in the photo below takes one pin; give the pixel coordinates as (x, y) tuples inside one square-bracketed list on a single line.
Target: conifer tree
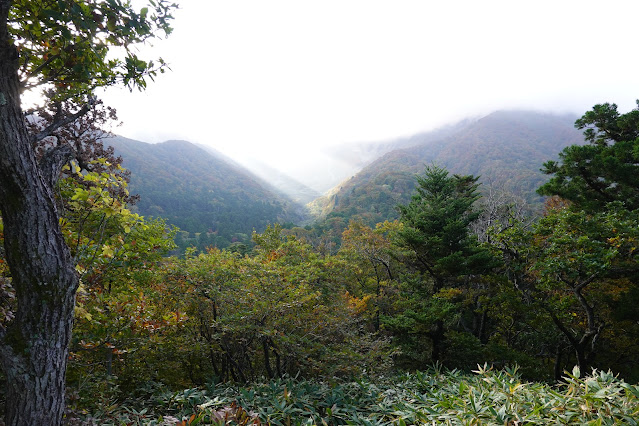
[(604, 170), (437, 226), (437, 231)]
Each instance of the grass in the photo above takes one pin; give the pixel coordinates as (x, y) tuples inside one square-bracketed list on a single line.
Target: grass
[(486, 397)]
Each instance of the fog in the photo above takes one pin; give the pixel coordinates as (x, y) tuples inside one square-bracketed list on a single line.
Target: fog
[(280, 81)]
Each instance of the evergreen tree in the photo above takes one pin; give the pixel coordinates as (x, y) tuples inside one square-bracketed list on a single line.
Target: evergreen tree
[(437, 226), (436, 231), (604, 170), (587, 247)]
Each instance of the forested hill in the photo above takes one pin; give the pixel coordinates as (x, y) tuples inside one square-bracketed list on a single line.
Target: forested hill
[(506, 149), (199, 191), (203, 192)]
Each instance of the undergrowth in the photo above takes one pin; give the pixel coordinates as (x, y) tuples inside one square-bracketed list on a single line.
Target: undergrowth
[(487, 397)]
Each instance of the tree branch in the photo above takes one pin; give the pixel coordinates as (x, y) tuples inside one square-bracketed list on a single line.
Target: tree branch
[(571, 338), (590, 312), (585, 282), (37, 70), (62, 122), (593, 185)]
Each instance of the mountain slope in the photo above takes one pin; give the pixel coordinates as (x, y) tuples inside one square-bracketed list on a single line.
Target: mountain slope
[(199, 191), (332, 164), (506, 149)]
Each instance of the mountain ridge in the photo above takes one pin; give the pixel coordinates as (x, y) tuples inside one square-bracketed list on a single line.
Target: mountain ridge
[(200, 192), (505, 149)]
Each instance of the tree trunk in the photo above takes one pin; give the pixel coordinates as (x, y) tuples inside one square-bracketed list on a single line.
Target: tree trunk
[(267, 358), (34, 347), (582, 361), (278, 361), (437, 339), (558, 365)]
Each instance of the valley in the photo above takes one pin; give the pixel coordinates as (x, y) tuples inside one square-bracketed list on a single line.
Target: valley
[(218, 201)]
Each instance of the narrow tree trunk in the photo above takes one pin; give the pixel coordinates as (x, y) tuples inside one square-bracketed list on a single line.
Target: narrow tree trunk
[(216, 370), (437, 339), (267, 358), (278, 361), (481, 333), (225, 369), (557, 369), (582, 361), (35, 345), (234, 365)]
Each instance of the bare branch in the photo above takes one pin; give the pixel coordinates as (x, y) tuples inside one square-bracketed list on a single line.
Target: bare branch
[(586, 282), (62, 122)]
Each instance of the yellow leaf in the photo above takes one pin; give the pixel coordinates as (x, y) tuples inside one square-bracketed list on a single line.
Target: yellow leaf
[(107, 251), (80, 312)]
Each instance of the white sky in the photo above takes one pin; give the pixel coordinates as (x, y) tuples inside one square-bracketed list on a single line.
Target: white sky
[(278, 79)]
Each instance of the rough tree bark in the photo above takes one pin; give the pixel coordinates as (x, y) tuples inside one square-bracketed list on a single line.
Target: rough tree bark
[(34, 347)]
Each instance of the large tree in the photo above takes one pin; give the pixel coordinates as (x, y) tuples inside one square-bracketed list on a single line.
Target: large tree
[(575, 272), (64, 50), (437, 232), (587, 248)]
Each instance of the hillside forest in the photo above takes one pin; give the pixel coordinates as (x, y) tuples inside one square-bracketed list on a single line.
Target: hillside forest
[(459, 279), (217, 202)]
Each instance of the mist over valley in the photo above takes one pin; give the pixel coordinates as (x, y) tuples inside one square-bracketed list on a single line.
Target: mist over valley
[(221, 200)]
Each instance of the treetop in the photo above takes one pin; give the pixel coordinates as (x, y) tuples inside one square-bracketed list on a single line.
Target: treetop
[(76, 46)]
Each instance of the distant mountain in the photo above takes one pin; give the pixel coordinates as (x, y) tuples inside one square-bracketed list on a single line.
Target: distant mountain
[(362, 154), (201, 191), (270, 177), (330, 165), (506, 149), (313, 173)]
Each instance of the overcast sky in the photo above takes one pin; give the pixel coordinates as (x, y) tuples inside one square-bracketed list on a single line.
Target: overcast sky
[(275, 78)]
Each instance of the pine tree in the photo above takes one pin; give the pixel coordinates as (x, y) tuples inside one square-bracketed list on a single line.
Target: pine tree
[(604, 170)]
